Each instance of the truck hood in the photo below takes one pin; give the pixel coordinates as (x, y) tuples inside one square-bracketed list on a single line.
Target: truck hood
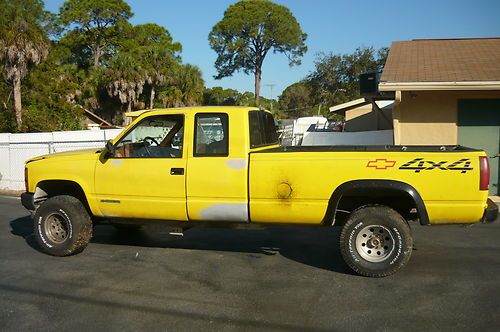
[(75, 153)]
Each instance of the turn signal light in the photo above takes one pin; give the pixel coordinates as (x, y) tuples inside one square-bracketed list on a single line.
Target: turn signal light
[(26, 185)]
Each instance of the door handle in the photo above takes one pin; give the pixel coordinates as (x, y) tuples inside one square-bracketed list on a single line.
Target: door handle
[(177, 171)]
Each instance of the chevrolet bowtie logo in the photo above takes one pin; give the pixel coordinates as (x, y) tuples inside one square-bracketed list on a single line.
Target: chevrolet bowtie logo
[(381, 163)]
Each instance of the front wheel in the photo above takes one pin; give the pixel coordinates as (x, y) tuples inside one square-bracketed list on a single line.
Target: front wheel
[(62, 226), (376, 241)]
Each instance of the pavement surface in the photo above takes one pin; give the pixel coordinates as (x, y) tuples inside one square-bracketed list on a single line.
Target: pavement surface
[(277, 279)]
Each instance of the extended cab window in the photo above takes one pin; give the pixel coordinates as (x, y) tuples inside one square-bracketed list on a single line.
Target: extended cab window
[(263, 130), (211, 135), (154, 137)]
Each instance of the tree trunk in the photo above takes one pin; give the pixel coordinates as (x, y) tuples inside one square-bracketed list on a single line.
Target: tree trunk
[(97, 55), (18, 108), (258, 75), (152, 97), (126, 119)]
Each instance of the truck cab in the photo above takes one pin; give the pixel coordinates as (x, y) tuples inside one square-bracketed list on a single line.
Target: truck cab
[(190, 165)]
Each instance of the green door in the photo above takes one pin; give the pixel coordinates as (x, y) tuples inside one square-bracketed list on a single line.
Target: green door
[(479, 127)]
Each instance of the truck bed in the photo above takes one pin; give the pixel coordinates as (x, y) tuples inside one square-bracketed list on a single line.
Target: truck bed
[(296, 183)]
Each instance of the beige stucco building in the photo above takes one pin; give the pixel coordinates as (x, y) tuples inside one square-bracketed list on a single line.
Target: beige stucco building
[(425, 117), (430, 77)]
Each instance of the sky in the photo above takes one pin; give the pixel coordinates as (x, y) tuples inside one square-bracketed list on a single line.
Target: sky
[(332, 26)]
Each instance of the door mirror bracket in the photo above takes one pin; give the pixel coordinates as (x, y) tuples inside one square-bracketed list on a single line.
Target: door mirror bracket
[(110, 149)]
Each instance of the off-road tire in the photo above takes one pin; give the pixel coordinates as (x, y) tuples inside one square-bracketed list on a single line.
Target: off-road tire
[(62, 226), (376, 241)]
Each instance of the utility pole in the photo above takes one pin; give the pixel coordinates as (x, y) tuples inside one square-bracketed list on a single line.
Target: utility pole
[(271, 86)]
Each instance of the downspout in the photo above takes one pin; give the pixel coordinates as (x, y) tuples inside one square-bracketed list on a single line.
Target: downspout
[(396, 116)]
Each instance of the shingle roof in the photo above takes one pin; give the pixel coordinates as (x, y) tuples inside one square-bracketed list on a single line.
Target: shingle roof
[(443, 60)]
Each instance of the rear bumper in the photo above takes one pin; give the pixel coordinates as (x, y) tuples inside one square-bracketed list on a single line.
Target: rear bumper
[(491, 212), (27, 200)]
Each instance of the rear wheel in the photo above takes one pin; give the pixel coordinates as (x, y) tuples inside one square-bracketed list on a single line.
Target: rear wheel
[(376, 241), (62, 226)]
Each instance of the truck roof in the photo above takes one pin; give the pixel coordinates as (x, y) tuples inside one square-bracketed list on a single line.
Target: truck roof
[(139, 115), (196, 109)]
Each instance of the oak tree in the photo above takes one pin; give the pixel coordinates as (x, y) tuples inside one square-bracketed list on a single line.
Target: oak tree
[(335, 78), (296, 100), (97, 23)]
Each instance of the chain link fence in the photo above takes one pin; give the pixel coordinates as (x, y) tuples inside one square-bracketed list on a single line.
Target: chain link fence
[(15, 149)]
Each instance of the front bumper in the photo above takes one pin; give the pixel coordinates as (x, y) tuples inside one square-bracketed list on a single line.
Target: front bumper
[(491, 212), (27, 200)]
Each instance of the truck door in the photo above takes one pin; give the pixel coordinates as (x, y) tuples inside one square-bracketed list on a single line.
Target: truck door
[(217, 169), (145, 178)]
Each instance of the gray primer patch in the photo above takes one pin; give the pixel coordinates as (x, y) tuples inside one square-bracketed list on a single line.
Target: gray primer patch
[(116, 162), (225, 212), (236, 163)]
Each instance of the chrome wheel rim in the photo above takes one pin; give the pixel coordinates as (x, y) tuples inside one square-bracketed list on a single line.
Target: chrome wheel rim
[(375, 243), (56, 228)]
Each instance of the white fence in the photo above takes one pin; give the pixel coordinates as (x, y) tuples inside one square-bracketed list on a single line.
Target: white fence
[(15, 149)]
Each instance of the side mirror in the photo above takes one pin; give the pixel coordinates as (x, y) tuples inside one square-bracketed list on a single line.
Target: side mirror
[(111, 148)]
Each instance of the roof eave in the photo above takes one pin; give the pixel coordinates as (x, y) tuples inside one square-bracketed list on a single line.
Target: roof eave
[(435, 86), (349, 105)]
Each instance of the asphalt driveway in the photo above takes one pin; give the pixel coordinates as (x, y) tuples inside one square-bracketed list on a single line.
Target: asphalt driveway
[(278, 279)]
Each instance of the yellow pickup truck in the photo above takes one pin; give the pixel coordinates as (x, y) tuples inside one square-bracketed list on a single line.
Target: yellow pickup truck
[(223, 166)]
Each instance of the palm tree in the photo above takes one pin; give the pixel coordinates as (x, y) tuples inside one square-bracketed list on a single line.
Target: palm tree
[(190, 82), (156, 52), (23, 43), (125, 79), (170, 96), (184, 87), (159, 64)]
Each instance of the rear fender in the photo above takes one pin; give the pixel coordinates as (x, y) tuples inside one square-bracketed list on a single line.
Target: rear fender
[(375, 189)]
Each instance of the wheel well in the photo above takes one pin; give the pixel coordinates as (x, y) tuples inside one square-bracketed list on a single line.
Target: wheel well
[(50, 188), (399, 196)]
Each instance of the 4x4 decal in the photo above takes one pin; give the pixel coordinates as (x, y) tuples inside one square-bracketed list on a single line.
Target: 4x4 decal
[(419, 164)]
